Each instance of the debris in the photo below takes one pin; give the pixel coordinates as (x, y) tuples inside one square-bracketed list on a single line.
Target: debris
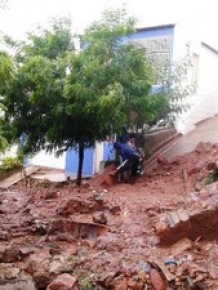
[(64, 281), (157, 280), (181, 246), (99, 217), (161, 160)]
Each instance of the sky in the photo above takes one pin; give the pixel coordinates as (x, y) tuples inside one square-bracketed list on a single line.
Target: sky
[(21, 16)]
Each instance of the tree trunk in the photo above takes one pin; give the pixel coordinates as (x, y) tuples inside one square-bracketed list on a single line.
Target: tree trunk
[(80, 165)]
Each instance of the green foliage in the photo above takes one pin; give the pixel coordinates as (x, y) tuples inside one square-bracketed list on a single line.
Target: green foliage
[(86, 284), (176, 87), (10, 163), (34, 100), (3, 142), (50, 43), (211, 178), (6, 71), (180, 87), (6, 79)]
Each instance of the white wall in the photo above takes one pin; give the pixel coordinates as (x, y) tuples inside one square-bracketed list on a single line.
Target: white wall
[(49, 160), (204, 103), (98, 156)]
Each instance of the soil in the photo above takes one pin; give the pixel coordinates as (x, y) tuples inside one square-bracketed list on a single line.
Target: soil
[(108, 229)]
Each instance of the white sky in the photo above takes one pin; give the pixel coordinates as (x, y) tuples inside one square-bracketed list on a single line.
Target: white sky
[(22, 15)]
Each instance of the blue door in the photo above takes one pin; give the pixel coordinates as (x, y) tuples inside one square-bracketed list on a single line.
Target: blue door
[(72, 161)]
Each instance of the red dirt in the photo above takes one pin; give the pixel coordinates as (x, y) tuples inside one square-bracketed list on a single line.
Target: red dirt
[(132, 211)]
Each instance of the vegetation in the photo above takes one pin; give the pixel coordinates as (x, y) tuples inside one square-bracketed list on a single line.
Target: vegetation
[(10, 163), (61, 98), (86, 284), (6, 76), (211, 178)]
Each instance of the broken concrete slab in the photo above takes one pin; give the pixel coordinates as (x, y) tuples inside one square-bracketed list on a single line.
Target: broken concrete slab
[(197, 218)]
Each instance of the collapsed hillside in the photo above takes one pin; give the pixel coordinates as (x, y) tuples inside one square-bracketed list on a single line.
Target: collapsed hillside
[(156, 233)]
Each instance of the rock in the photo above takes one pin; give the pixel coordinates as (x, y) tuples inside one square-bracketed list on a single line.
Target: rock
[(181, 246), (135, 285), (106, 279), (72, 206), (165, 270), (157, 281), (38, 268), (99, 217), (115, 209), (50, 194), (119, 284), (194, 169), (198, 186), (26, 251), (77, 229), (212, 165), (10, 255), (2, 250), (8, 271), (61, 264), (20, 284), (63, 282), (4, 236), (173, 219), (67, 237), (161, 160)]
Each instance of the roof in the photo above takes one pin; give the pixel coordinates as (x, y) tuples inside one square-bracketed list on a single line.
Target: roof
[(155, 27), (209, 47)]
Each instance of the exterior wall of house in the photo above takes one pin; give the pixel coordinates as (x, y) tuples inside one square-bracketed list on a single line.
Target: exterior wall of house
[(158, 44), (49, 160), (98, 156), (204, 103), (72, 161), (68, 161)]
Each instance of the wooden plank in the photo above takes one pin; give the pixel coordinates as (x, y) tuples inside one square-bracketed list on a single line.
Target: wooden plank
[(7, 182)]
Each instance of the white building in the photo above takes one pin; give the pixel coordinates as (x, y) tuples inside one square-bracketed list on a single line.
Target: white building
[(174, 42)]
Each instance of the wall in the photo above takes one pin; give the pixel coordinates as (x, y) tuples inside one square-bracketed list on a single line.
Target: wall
[(49, 160), (158, 45), (72, 161), (203, 104), (98, 156)]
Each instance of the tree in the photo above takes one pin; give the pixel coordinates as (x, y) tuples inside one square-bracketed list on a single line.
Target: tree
[(108, 82), (32, 100), (62, 99), (6, 77)]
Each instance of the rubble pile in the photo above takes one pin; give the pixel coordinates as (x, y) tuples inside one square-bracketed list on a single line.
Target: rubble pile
[(159, 233), (198, 217)]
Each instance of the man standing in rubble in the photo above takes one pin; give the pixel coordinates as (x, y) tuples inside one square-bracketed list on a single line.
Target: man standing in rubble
[(130, 159)]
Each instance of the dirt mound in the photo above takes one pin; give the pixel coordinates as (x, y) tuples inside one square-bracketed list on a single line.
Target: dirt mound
[(104, 179)]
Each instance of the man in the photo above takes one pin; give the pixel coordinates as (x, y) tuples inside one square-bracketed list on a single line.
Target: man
[(130, 159)]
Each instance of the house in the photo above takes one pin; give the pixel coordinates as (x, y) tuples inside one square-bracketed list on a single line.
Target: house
[(167, 43), (173, 42)]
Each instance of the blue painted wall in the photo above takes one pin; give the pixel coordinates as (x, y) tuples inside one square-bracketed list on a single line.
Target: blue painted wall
[(72, 158), (167, 30), (108, 151)]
